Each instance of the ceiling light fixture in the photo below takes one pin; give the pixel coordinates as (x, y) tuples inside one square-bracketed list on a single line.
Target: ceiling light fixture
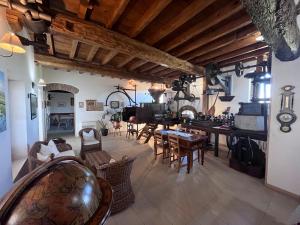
[(11, 43), (260, 38)]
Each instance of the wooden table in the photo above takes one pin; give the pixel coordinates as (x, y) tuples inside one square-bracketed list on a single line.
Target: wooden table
[(187, 141), (256, 135)]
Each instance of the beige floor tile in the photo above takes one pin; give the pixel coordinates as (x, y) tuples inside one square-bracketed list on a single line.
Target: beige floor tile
[(210, 195)]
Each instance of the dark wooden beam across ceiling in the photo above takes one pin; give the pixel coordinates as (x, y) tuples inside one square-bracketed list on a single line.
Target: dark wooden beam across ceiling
[(93, 34), (69, 65), (218, 16)]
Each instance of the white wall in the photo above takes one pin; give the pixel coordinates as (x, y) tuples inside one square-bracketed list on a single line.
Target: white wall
[(20, 68), (283, 151), (5, 152), (93, 88), (58, 98), (17, 99)]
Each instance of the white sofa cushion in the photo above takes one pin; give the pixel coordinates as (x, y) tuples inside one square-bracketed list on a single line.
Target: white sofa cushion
[(65, 153), (43, 158), (88, 136), (92, 142), (47, 150)]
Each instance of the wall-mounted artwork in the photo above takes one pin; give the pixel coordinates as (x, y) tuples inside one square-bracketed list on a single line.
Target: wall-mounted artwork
[(93, 105), (72, 101), (2, 103), (81, 104), (114, 104), (33, 106)]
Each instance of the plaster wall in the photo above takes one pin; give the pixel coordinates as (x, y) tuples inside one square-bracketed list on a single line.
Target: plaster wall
[(94, 88), (283, 149), (16, 68)]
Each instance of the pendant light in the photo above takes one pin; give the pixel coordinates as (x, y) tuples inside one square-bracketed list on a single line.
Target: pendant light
[(11, 43)]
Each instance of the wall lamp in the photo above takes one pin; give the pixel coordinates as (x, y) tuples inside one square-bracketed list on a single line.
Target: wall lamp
[(11, 43)]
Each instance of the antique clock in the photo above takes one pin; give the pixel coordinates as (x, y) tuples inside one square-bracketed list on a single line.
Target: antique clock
[(286, 116)]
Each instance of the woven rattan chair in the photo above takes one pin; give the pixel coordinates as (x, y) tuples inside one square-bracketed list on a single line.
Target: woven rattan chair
[(118, 175), (93, 147), (32, 154)]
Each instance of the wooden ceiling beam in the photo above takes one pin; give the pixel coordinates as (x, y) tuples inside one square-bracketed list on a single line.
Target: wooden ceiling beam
[(163, 72), (93, 34), (147, 67), (186, 14), (84, 6), (135, 64), (248, 55), (218, 16), (68, 64), (92, 53), (120, 7), (235, 53), (212, 35), (229, 48), (50, 43), (125, 61), (73, 49), (157, 69), (154, 10), (242, 61), (109, 56), (223, 41)]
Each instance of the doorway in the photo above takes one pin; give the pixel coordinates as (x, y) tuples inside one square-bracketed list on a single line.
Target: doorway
[(60, 114)]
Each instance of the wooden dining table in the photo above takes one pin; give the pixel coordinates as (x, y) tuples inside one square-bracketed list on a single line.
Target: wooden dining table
[(187, 141)]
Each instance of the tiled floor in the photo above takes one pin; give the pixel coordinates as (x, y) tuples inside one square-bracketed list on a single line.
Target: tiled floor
[(212, 194)]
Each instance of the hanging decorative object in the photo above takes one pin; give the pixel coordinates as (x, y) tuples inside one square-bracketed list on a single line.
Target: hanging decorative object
[(11, 43), (286, 116)]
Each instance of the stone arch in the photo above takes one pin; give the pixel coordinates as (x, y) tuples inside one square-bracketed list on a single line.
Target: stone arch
[(62, 87)]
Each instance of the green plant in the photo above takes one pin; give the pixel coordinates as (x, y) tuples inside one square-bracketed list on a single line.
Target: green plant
[(103, 124)]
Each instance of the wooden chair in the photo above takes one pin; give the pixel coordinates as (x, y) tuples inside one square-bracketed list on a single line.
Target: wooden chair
[(97, 146), (198, 148), (117, 127), (176, 152), (160, 142)]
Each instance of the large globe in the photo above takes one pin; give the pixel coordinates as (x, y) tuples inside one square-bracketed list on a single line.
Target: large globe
[(67, 194)]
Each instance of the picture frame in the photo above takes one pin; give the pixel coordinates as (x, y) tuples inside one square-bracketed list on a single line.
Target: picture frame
[(91, 105), (114, 104), (61, 104), (33, 106), (2, 103)]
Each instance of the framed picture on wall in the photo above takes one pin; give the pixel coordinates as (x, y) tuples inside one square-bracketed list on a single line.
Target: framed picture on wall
[(33, 106), (91, 105), (114, 104), (61, 104), (72, 101), (2, 103)]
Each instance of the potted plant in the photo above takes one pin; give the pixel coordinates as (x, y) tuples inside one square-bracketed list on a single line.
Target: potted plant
[(103, 127)]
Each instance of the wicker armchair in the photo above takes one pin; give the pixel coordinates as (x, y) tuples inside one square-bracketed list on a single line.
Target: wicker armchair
[(32, 155), (92, 147), (118, 175)]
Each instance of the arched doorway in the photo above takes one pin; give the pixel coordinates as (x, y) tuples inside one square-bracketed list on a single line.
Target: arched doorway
[(188, 111), (60, 110)]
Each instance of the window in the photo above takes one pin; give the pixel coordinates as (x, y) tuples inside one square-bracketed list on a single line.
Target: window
[(264, 89)]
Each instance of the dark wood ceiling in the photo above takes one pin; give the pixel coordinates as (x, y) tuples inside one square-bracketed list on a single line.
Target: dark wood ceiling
[(197, 32)]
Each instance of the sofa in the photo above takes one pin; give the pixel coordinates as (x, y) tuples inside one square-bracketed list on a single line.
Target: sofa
[(63, 148)]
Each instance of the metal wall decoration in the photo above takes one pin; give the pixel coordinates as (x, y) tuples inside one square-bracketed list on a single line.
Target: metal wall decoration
[(33, 105), (286, 116)]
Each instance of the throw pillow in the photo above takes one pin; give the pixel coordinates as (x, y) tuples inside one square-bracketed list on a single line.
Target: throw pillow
[(53, 147), (88, 136), (46, 150), (42, 157)]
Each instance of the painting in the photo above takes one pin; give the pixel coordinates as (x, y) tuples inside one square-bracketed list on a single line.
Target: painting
[(2, 103), (93, 105), (114, 104), (33, 106)]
